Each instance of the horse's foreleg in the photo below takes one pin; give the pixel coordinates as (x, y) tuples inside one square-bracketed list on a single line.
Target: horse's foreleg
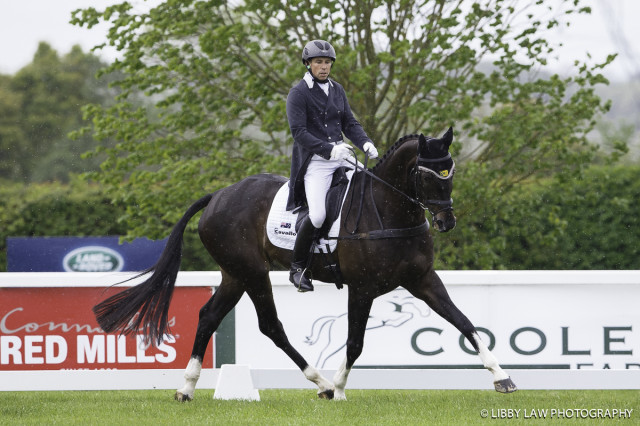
[(211, 315), (433, 292), (270, 326), (359, 309), (501, 380)]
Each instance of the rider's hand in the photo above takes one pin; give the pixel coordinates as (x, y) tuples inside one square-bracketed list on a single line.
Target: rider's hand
[(370, 149), (341, 152)]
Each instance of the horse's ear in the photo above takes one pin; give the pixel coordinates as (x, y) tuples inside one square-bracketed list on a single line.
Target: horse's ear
[(423, 149), (447, 138)]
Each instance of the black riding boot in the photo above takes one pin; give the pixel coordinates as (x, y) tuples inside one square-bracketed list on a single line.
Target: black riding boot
[(298, 273)]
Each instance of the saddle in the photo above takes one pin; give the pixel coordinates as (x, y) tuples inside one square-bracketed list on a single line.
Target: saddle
[(282, 225)]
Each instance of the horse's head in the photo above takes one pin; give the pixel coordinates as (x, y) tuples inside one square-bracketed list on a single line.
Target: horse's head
[(434, 179)]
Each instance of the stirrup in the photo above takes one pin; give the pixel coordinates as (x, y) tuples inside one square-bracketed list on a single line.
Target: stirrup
[(304, 283)]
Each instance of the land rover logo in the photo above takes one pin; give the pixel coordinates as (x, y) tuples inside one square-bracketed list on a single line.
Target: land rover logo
[(93, 259)]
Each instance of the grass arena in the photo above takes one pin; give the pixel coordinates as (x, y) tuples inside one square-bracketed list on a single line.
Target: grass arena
[(302, 407)]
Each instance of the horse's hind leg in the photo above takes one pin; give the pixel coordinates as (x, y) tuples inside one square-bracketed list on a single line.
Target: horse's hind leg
[(433, 292), (262, 297), (211, 315)]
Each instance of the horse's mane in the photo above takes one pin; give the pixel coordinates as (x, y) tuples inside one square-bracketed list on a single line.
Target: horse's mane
[(394, 148)]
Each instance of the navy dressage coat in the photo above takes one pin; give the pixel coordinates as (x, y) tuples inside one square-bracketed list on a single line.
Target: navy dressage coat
[(316, 120)]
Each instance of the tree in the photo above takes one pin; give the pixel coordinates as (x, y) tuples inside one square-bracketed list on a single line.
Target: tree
[(217, 74), (39, 106), (13, 142)]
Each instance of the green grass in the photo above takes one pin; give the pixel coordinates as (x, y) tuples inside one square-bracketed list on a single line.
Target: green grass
[(301, 407)]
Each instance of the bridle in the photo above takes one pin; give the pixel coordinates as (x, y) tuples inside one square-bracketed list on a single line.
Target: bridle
[(387, 233), (445, 205)]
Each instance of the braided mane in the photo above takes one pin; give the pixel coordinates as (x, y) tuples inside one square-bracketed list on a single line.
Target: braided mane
[(394, 148)]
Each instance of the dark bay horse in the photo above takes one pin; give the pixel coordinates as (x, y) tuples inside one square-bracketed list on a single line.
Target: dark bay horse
[(392, 248)]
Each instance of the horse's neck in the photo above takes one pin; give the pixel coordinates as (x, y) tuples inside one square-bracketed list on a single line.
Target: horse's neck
[(395, 170)]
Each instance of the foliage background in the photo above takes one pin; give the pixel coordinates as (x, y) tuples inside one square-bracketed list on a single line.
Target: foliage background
[(216, 75), (593, 223), (197, 103)]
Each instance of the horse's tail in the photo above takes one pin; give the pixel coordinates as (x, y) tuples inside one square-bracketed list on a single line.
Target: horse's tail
[(145, 307)]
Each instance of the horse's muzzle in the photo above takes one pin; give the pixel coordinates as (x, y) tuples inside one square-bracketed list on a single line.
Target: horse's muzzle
[(444, 221)]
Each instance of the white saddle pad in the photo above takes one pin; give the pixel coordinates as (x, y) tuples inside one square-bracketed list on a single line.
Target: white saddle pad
[(281, 224)]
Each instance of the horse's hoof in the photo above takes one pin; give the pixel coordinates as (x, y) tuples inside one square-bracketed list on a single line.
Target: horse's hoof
[(340, 396), (328, 394), (505, 385), (179, 396)]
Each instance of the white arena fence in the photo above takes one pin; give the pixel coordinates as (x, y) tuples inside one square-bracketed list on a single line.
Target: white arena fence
[(548, 329)]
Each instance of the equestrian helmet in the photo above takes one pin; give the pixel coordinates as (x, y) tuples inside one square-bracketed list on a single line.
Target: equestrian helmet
[(317, 48)]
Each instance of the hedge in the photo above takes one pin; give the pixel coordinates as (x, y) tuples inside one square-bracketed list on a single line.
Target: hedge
[(76, 209), (588, 224)]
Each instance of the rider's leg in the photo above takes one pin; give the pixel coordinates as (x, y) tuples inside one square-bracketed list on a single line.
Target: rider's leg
[(298, 274), (317, 181)]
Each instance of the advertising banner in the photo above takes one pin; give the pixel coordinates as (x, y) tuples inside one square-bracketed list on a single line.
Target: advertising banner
[(531, 320), (53, 328), (81, 254), (532, 324)]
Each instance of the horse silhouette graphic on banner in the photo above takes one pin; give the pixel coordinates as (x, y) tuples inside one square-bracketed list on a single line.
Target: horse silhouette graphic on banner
[(330, 332)]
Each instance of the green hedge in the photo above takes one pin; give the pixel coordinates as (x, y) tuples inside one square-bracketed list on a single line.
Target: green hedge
[(587, 224), (77, 209), (590, 224)]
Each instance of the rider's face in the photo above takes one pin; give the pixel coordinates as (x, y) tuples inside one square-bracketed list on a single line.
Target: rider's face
[(320, 67)]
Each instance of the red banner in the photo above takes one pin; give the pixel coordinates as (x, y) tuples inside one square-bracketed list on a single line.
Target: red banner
[(54, 329)]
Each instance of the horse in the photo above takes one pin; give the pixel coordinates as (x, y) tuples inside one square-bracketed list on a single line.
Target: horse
[(385, 245)]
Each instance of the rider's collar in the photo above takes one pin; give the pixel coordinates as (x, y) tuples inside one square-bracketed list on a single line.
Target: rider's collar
[(308, 78)]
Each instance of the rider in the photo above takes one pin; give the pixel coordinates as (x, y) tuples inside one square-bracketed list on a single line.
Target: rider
[(318, 114)]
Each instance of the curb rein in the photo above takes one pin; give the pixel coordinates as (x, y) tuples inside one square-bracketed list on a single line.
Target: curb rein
[(382, 233)]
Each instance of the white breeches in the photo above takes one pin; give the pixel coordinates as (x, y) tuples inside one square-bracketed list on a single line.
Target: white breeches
[(317, 181)]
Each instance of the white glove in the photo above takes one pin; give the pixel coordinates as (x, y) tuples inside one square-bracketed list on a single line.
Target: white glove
[(340, 152), (370, 149)]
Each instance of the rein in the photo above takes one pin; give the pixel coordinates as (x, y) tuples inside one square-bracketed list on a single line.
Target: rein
[(388, 233), (368, 173), (446, 205), (380, 233)]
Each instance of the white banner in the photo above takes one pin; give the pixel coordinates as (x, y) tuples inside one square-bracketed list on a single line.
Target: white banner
[(529, 319)]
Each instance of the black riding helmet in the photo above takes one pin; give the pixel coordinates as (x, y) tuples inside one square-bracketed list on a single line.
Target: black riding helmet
[(317, 48)]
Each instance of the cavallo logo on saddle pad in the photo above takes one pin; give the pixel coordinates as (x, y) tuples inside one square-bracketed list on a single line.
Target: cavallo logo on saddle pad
[(281, 223)]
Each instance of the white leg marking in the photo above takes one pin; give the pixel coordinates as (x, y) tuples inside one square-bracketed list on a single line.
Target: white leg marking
[(489, 361), (314, 375), (340, 380), (191, 376)]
